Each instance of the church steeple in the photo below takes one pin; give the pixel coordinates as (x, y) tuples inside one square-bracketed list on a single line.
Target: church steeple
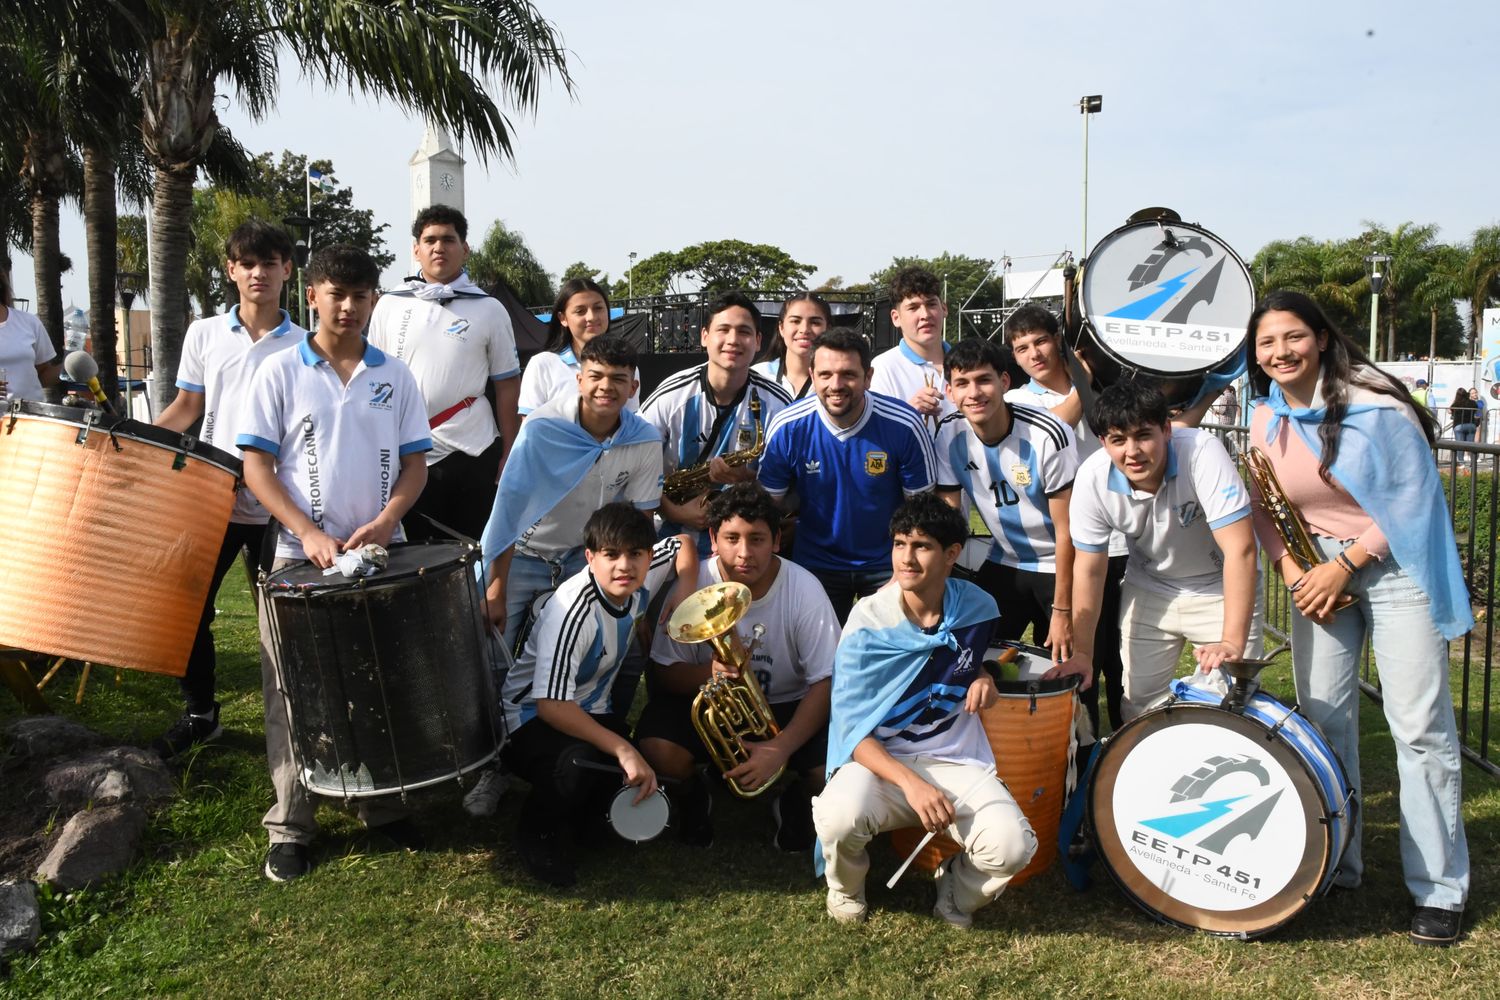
[(437, 172)]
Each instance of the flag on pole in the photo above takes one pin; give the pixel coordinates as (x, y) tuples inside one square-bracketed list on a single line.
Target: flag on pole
[(323, 182)]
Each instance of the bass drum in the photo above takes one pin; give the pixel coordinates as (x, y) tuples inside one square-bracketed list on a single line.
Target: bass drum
[(109, 536), (1166, 302), (389, 679), (1223, 822)]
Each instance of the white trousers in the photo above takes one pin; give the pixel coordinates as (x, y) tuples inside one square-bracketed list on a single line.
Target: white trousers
[(856, 805), (1154, 628)]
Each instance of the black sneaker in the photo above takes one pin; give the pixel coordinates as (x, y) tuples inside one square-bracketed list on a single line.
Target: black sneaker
[(695, 823), (187, 732), (403, 833), (792, 810), (1434, 927), (285, 862), (546, 858)]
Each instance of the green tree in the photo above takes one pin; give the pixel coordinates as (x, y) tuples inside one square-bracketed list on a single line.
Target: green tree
[(217, 213), (281, 183), (441, 58), (1481, 276), (720, 266), (504, 255), (579, 269), (1412, 252)]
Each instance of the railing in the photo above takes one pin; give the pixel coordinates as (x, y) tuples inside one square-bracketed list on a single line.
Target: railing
[(1470, 474)]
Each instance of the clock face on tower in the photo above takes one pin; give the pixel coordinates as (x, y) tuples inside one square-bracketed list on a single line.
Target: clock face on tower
[(446, 180)]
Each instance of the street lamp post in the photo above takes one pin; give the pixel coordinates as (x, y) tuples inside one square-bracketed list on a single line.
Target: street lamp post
[(301, 227), (630, 279), (1377, 279), (126, 284), (1091, 104)]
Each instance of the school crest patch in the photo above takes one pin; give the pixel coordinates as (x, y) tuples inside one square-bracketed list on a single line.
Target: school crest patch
[(875, 463)]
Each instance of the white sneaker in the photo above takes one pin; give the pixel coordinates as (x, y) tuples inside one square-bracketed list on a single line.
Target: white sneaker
[(946, 908), (846, 909), (484, 797)]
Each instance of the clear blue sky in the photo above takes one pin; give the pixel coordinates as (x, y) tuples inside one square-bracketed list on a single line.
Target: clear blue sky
[(848, 133)]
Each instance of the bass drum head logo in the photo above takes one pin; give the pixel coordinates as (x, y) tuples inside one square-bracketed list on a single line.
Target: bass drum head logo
[(1169, 298), (1209, 818)]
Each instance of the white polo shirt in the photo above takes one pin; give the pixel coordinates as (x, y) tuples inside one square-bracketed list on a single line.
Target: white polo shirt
[(24, 344), (338, 447), (1033, 393), (219, 360), (579, 642), (801, 637), (625, 472), (551, 374), (1170, 532), (1011, 481), (901, 371), (451, 347)]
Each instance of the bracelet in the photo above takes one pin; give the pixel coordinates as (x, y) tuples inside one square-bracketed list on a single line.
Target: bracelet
[(1066, 611), (1345, 563)]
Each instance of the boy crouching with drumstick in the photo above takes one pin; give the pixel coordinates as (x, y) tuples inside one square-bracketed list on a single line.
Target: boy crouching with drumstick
[(557, 698), (325, 417), (906, 746)]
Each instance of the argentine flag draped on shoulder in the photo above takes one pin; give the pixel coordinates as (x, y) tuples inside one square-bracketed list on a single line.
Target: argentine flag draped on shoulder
[(881, 653), (549, 459), (435, 291)]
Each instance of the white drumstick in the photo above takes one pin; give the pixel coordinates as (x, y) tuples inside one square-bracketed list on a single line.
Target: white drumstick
[(987, 775)]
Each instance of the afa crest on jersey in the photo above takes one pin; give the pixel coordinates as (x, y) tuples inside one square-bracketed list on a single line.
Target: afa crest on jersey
[(875, 463)]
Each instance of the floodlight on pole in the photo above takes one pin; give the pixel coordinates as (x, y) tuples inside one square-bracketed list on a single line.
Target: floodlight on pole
[(630, 279), (1090, 104), (1376, 262)]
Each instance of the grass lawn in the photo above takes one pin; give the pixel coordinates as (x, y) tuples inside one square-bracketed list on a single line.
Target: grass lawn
[(737, 920)]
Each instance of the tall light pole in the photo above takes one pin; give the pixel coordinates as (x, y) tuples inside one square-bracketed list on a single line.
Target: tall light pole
[(1377, 279), (1091, 104), (630, 279)]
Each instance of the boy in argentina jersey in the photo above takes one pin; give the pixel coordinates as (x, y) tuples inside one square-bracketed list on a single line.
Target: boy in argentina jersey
[(1177, 497), (704, 412), (792, 661), (905, 741), (333, 447), (1016, 465), (557, 697), (852, 456)]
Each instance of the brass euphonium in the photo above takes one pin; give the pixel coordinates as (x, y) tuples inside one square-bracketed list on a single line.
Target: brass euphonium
[(685, 484), (1286, 518), (726, 711)]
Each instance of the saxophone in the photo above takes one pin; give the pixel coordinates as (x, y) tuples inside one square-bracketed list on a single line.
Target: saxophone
[(726, 711), (1286, 518), (685, 484)]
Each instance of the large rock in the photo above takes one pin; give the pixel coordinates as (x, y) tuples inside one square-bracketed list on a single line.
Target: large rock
[(119, 774), (49, 736), (20, 918), (95, 845)]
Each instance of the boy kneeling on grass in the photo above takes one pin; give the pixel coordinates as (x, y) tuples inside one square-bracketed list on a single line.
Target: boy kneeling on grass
[(557, 698)]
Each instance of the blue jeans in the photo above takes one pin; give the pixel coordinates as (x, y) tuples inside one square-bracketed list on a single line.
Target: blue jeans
[(1412, 657), (1464, 432), (528, 577)]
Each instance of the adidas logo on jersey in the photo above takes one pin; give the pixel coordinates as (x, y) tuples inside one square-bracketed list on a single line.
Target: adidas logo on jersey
[(972, 467), (813, 468)]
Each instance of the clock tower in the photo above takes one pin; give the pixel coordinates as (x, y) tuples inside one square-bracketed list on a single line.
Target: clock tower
[(437, 172)]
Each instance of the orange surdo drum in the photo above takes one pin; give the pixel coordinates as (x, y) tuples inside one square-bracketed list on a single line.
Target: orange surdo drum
[(109, 531)]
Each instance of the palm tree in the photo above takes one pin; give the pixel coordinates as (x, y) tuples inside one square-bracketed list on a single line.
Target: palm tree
[(504, 256), (1328, 271), (1410, 248), (439, 58), (1443, 284), (1481, 276)]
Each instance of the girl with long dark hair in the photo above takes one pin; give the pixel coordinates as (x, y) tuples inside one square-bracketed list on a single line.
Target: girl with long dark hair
[(580, 314), (789, 360), (1352, 451)]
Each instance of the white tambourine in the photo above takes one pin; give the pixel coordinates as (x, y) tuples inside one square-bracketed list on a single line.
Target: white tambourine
[(638, 822)]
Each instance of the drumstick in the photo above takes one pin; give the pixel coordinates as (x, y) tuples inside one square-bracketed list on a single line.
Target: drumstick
[(590, 765), (988, 774)]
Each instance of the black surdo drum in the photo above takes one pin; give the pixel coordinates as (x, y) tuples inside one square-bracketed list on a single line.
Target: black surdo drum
[(1165, 301), (388, 680)]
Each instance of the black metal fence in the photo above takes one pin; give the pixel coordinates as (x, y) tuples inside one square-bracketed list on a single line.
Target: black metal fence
[(1469, 473)]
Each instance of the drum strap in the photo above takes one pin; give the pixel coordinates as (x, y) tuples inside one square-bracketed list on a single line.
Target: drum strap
[(1077, 866), (446, 415)]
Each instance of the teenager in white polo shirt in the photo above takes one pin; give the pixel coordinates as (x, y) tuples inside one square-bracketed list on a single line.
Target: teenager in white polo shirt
[(1016, 465), (913, 370), (220, 355), (580, 314), (793, 663), (455, 337), (1036, 342), (28, 361), (334, 447), (1178, 499), (852, 456), (704, 413)]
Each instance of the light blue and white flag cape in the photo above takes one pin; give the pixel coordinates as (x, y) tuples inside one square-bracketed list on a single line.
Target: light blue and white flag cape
[(436, 291), (1386, 465), (549, 459)]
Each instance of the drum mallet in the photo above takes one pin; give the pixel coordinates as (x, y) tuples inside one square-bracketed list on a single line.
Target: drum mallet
[(986, 776)]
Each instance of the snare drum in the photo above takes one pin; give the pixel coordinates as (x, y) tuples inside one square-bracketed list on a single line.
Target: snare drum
[(1167, 302), (1031, 728), (388, 679), (638, 822), (1218, 821), (110, 535)]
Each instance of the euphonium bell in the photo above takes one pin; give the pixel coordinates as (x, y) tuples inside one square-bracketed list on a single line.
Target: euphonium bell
[(726, 711)]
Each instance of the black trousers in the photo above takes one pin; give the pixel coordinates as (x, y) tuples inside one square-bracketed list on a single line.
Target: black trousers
[(1023, 596), (459, 493), (560, 790), (199, 682)]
